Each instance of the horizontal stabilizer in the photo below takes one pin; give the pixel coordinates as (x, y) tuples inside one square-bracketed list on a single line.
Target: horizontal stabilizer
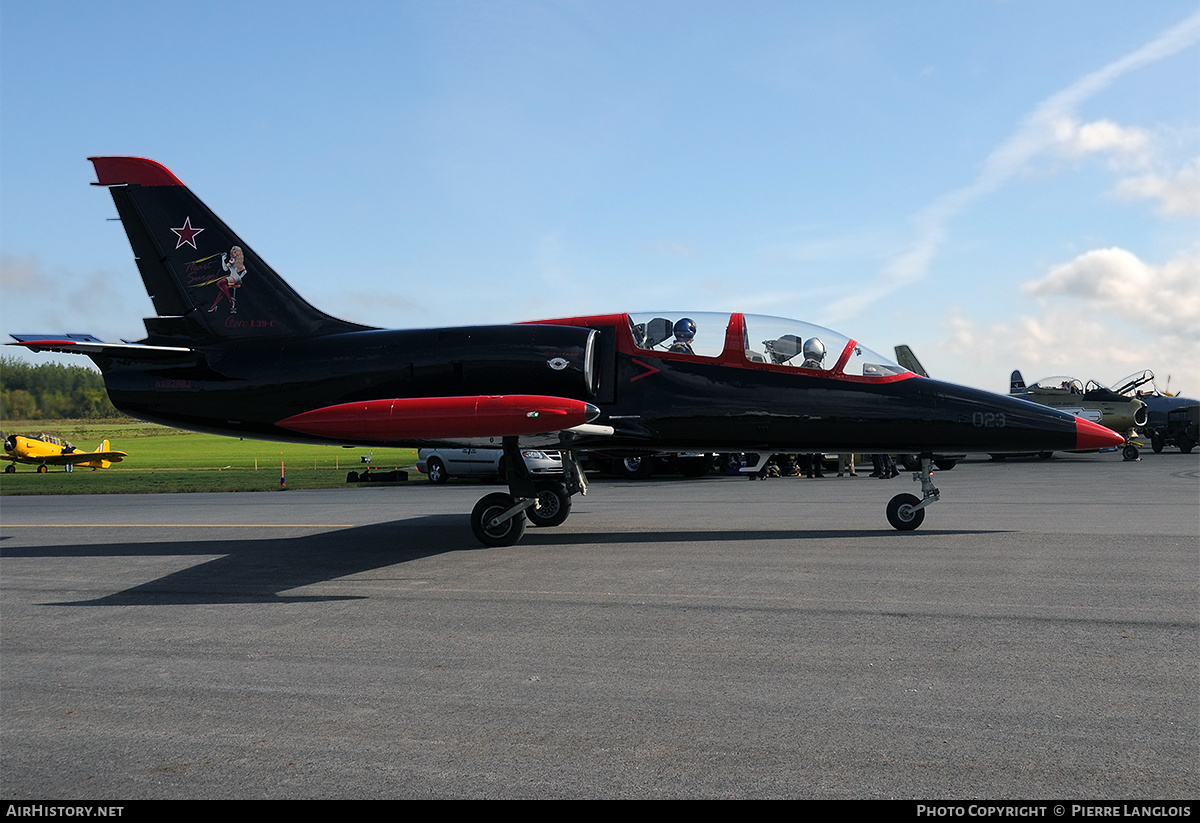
[(442, 418), (89, 344)]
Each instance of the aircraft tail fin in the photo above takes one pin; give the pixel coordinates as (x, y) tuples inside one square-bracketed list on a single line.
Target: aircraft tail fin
[(906, 358), (196, 268), (101, 462), (1016, 383)]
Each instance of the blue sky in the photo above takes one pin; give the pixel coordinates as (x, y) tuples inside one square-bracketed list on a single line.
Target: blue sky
[(999, 184)]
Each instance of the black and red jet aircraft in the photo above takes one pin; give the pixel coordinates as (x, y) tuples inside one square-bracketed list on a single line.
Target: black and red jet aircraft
[(235, 351)]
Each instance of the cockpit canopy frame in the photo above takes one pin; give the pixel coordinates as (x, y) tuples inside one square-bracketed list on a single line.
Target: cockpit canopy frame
[(760, 341)]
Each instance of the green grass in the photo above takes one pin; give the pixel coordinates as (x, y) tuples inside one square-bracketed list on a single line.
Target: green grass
[(162, 459)]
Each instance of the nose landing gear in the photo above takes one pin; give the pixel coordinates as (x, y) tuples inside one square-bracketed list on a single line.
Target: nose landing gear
[(905, 511)]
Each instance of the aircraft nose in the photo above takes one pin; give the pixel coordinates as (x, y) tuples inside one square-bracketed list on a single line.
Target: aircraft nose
[(1090, 436)]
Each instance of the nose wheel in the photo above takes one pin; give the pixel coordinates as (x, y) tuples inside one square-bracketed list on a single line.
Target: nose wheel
[(903, 514), (907, 511)]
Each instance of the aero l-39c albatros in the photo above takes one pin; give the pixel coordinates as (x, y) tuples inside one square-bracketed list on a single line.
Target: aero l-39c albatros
[(234, 350)]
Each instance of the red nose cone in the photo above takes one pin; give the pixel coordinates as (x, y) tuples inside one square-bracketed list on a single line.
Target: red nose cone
[(1091, 436)]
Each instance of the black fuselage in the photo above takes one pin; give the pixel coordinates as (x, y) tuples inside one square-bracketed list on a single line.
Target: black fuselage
[(652, 402)]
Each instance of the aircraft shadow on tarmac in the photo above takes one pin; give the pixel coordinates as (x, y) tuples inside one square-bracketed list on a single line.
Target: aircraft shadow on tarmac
[(546, 537), (256, 571)]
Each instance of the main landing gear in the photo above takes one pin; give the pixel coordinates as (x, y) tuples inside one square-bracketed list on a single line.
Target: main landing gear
[(905, 511), (499, 519)]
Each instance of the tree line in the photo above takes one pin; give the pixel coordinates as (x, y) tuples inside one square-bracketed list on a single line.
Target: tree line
[(52, 391)]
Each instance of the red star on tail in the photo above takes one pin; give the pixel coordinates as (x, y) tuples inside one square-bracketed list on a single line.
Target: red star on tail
[(186, 234)]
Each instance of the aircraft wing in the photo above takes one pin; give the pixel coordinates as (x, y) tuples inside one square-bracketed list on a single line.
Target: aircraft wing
[(448, 418), (77, 457), (89, 344)]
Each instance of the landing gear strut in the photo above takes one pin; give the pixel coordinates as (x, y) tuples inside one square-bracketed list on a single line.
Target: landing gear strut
[(905, 512), (499, 519)]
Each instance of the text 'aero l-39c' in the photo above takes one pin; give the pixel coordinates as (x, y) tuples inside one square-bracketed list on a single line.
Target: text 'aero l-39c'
[(234, 350)]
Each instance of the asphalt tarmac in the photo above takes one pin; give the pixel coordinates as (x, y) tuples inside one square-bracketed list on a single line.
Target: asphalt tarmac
[(1036, 639)]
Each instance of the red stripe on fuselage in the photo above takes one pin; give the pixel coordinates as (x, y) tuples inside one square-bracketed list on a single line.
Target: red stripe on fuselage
[(434, 418)]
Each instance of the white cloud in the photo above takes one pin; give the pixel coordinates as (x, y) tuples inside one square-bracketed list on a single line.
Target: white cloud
[(1164, 299), (1103, 275), (1100, 316), (1178, 194), (1051, 126), (1124, 145)]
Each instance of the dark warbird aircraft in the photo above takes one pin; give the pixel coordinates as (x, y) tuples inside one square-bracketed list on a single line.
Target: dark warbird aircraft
[(234, 350)]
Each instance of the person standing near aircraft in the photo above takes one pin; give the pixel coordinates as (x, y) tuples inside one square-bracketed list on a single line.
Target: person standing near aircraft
[(814, 465), (885, 467)]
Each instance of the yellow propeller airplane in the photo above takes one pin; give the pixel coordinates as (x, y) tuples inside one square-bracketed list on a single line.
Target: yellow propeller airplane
[(48, 450)]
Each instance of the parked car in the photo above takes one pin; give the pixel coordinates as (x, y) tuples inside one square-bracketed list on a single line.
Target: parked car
[(485, 464), (637, 467)]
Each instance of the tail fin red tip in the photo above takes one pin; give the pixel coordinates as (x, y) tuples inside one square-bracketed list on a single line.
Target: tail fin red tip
[(119, 171)]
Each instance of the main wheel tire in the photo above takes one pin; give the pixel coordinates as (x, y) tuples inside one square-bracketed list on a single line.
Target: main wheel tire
[(507, 533), (902, 515), (552, 506), (945, 464), (437, 471), (634, 468), (41, 469)]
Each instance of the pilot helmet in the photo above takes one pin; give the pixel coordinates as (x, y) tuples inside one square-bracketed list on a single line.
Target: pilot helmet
[(814, 349), (685, 329)]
